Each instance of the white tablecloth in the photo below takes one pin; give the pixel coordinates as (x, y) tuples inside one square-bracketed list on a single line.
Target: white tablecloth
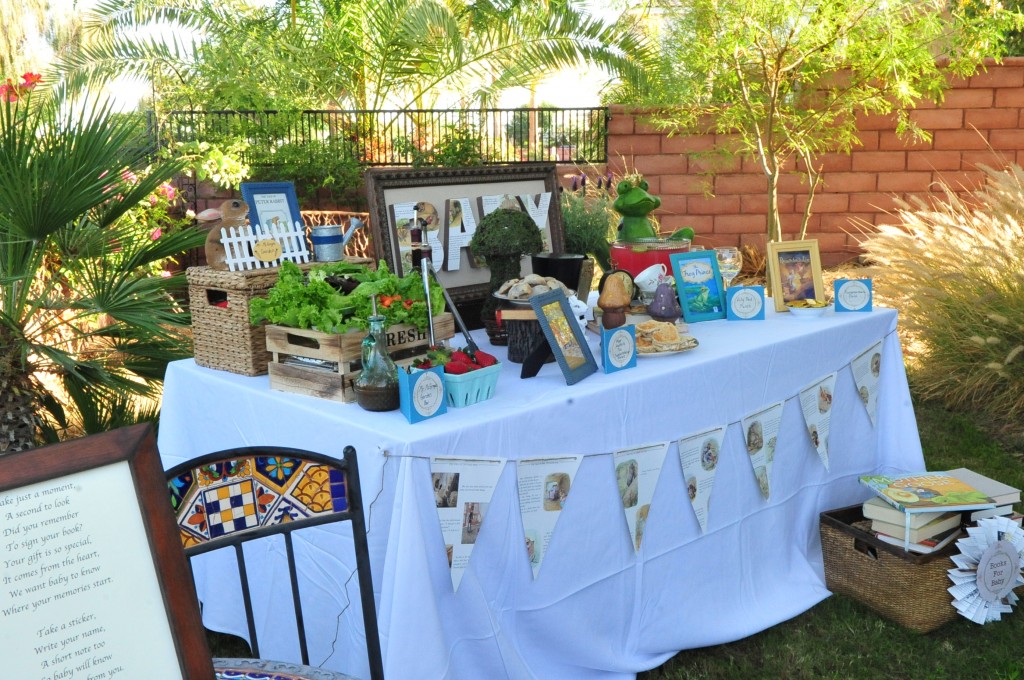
[(597, 609)]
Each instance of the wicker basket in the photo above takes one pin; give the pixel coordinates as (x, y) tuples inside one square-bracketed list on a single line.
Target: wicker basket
[(904, 587), (219, 301)]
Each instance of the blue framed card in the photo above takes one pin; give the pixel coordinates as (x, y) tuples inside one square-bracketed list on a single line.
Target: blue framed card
[(564, 335), (699, 285), (421, 393), (271, 203), (853, 295), (618, 348), (745, 303)]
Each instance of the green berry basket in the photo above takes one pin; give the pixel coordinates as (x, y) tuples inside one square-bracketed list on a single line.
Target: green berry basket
[(470, 388)]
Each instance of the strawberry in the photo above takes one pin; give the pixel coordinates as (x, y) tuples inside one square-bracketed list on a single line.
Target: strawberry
[(422, 363), (457, 367), (459, 355), (483, 359)]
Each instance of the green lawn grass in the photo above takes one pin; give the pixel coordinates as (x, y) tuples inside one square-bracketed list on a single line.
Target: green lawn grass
[(840, 638)]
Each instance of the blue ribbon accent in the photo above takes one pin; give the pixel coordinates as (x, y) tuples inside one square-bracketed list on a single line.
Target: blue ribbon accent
[(325, 240)]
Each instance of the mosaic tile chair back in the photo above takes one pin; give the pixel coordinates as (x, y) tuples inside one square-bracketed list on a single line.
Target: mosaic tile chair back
[(228, 498)]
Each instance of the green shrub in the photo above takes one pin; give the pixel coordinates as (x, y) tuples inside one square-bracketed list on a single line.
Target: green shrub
[(588, 222), (956, 270)]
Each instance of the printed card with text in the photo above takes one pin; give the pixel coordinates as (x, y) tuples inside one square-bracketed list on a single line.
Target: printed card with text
[(618, 348), (761, 432), (462, 493), (544, 485), (816, 404), (745, 303), (698, 454), (852, 295), (636, 475)]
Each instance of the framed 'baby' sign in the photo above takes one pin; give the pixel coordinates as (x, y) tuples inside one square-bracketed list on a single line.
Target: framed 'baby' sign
[(92, 572)]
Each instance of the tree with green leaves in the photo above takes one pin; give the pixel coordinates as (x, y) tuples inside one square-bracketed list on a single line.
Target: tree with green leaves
[(377, 54), (85, 326), (783, 80)]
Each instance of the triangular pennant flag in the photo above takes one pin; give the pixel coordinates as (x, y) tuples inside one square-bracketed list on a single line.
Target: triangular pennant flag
[(760, 432), (462, 492), (816, 404), (866, 368), (544, 485), (698, 454), (636, 474)]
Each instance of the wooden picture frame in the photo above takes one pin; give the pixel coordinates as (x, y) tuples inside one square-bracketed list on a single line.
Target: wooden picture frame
[(699, 285), (564, 335), (95, 563), (433, 189), (794, 269), (272, 202)]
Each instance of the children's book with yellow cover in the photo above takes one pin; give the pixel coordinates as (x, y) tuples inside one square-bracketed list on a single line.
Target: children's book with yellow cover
[(927, 492)]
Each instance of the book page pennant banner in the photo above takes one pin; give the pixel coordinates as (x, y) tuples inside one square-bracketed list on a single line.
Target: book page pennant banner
[(698, 454), (462, 493), (866, 368), (761, 432), (636, 475), (544, 485), (816, 404)]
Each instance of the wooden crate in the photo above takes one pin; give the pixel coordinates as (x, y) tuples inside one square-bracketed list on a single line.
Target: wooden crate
[(325, 364)]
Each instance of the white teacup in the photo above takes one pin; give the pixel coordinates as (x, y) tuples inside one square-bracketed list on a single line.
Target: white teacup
[(648, 280)]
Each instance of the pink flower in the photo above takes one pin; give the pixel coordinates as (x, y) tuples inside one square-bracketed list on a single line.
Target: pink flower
[(30, 80), (129, 176), (9, 91), (156, 234), (152, 200), (166, 190)]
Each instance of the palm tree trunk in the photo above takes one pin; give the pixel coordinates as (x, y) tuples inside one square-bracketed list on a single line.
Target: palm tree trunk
[(18, 420)]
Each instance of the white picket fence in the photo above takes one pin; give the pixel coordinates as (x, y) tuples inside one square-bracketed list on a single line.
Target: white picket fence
[(240, 241)]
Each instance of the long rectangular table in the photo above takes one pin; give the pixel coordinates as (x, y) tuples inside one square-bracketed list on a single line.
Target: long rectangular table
[(597, 608)]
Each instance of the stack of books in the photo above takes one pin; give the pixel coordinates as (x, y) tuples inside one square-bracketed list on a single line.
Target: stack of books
[(924, 512), (1003, 495), (928, 531)]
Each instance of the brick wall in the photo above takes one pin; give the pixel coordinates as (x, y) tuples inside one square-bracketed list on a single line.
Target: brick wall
[(981, 121)]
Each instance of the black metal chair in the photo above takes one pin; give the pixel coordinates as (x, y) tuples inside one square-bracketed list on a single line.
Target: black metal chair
[(228, 498)]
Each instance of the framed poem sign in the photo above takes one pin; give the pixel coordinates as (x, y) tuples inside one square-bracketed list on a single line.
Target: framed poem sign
[(91, 564), (441, 208)]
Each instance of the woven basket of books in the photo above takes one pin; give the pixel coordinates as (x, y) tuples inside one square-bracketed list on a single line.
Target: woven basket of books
[(904, 587)]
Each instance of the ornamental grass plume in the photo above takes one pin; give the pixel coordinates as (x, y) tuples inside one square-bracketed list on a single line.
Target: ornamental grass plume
[(955, 270)]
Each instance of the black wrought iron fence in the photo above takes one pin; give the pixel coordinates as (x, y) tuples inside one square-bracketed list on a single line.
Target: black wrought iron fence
[(408, 137)]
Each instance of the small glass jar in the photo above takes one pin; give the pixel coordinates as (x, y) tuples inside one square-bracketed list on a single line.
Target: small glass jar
[(376, 386)]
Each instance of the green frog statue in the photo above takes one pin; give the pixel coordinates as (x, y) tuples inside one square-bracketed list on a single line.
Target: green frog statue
[(634, 204)]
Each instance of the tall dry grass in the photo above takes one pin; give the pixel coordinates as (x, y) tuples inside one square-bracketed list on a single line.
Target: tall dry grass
[(955, 270)]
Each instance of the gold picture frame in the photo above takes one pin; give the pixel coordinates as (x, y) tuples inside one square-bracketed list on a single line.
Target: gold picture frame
[(794, 270)]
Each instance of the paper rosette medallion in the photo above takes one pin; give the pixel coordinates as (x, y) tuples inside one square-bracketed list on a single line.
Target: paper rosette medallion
[(988, 568)]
